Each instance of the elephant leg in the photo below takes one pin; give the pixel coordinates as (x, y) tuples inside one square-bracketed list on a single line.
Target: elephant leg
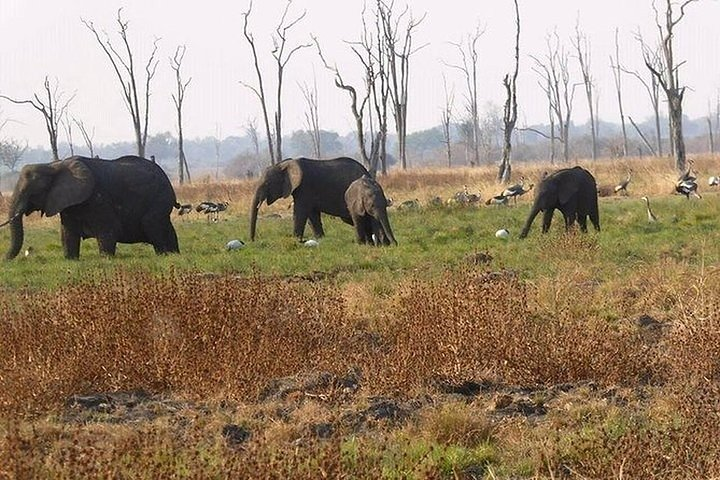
[(70, 241), (160, 233), (359, 225), (106, 245), (300, 217), (582, 221), (547, 219), (316, 224)]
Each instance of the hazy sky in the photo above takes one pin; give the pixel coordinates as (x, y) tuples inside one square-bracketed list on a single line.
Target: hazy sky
[(46, 37)]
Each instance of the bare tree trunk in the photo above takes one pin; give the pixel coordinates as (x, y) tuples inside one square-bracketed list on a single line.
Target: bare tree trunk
[(312, 121), (469, 57), (645, 141), (178, 98), (711, 140), (582, 49), (87, 137), (615, 65), (52, 108), (124, 67), (668, 77), (510, 110), (446, 119)]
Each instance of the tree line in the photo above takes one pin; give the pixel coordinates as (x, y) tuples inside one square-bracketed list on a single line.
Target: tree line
[(384, 49)]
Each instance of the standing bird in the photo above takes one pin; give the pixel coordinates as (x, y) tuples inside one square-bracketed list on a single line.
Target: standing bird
[(687, 188), (212, 209), (650, 215), (516, 190), (622, 186), (184, 209)]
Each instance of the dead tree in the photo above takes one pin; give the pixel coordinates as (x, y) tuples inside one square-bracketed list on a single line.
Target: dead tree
[(446, 119), (282, 56), (652, 87), (510, 108), (617, 76), (11, 151), (67, 126), (178, 98), (468, 50), (52, 107), (582, 49), (711, 139), (137, 99), (88, 137), (251, 130), (555, 76), (668, 76), (397, 53), (358, 107), (312, 116)]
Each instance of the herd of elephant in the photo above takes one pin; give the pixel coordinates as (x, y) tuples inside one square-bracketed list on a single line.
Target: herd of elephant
[(130, 200)]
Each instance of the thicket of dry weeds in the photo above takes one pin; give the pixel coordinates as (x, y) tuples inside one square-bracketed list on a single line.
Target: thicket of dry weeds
[(220, 340)]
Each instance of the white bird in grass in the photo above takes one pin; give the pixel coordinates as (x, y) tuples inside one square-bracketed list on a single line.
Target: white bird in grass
[(713, 181), (234, 245), (28, 251), (311, 243), (503, 233), (650, 215)]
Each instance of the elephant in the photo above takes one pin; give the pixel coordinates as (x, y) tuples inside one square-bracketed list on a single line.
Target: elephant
[(573, 191), (367, 204), (126, 200), (317, 186)]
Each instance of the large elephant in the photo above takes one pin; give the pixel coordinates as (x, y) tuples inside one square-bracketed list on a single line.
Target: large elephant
[(368, 209), (573, 191), (127, 200), (317, 186)]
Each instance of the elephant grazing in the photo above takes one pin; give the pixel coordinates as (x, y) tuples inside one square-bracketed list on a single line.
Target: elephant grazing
[(573, 191), (317, 186), (127, 200), (367, 204)]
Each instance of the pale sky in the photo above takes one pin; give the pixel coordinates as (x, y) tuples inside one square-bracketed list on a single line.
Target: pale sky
[(46, 37)]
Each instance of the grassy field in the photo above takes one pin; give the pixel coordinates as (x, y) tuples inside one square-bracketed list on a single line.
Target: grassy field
[(454, 355)]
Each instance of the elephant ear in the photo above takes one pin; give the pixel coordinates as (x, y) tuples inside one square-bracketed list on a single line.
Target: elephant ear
[(73, 184), (292, 179)]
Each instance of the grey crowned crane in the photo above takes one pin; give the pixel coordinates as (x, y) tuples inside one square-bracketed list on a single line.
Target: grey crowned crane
[(650, 215), (516, 190), (212, 209), (184, 209), (621, 187), (687, 188), (497, 200)]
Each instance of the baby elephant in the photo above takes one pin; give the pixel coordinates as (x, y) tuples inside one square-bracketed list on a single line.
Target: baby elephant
[(367, 204)]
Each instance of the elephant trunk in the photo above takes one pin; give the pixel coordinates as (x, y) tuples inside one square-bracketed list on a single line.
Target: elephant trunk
[(385, 223), (529, 221), (17, 234), (257, 200)]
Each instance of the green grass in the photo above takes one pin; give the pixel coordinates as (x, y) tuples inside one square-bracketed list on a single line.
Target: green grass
[(431, 240)]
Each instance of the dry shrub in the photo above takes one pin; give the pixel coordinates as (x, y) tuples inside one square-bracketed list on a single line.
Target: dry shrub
[(204, 336), (472, 325), (455, 423)]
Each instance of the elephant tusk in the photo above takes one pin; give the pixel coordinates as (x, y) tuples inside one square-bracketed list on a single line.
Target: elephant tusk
[(10, 219)]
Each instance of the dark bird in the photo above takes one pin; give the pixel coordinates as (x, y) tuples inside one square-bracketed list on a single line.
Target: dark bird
[(650, 215), (497, 200), (516, 190), (212, 209), (687, 188), (184, 209), (622, 186)]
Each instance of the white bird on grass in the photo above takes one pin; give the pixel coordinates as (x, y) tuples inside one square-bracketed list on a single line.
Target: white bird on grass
[(311, 243), (503, 233), (234, 245), (650, 215)]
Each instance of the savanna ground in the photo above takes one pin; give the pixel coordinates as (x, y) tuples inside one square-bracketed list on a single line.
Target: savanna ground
[(453, 355)]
